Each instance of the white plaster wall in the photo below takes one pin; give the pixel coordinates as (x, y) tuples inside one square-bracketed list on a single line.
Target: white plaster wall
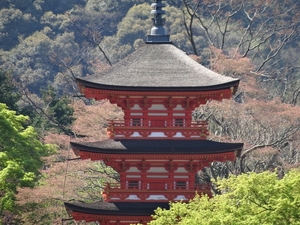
[(181, 176), (133, 169), (180, 197), (157, 107), (178, 114), (136, 114), (136, 134), (157, 197), (136, 107), (178, 107), (181, 170), (157, 176), (157, 114), (157, 134), (133, 197), (157, 170), (133, 176), (179, 134)]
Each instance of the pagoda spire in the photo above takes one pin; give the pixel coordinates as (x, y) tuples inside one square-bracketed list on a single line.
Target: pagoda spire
[(158, 33)]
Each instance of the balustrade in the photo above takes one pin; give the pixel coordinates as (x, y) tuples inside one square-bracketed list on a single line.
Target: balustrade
[(194, 129), (170, 190), (152, 186)]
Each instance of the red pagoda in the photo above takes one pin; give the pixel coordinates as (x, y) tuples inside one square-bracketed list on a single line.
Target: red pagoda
[(157, 149)]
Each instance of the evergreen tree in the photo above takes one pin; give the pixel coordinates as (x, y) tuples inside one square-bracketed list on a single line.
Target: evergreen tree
[(8, 91), (58, 111)]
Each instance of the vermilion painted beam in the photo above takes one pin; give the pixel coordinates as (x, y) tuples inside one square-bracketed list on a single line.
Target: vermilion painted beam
[(111, 94), (228, 156), (110, 219)]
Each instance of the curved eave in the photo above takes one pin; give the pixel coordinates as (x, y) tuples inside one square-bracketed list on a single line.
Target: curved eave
[(158, 147), (120, 208), (89, 84)]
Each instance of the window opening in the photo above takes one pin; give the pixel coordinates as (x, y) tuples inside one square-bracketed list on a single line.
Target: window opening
[(179, 123), (136, 122), (181, 185), (133, 184)]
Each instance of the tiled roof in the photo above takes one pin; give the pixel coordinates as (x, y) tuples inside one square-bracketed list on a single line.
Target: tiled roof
[(157, 146), (117, 208), (158, 67)]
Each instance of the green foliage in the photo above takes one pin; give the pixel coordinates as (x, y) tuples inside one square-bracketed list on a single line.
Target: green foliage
[(55, 114), (59, 108), (20, 4), (9, 17), (31, 61), (27, 17), (45, 45), (136, 25), (8, 91), (96, 177), (20, 156), (249, 199), (46, 211)]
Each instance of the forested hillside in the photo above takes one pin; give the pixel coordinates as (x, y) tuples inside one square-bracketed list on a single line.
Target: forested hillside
[(45, 44)]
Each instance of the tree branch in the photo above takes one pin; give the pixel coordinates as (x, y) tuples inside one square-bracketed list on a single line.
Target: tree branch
[(91, 40)]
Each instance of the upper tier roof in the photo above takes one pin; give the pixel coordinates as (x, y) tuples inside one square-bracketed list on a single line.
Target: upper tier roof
[(158, 67)]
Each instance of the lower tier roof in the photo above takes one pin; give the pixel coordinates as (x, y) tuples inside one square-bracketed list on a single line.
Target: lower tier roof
[(158, 147), (117, 208)]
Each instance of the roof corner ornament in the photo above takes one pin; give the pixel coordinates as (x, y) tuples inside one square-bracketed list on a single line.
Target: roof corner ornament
[(158, 33)]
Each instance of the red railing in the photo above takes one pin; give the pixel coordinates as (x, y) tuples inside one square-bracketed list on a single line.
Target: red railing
[(150, 186), (195, 129), (117, 191)]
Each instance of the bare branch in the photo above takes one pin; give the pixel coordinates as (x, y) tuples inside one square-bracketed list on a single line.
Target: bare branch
[(91, 40)]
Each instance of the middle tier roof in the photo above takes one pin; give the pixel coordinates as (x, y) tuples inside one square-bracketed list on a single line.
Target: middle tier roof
[(158, 147)]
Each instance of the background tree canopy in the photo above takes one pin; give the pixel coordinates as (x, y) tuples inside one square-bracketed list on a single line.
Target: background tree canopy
[(45, 44), (249, 199), (52, 43), (9, 93)]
